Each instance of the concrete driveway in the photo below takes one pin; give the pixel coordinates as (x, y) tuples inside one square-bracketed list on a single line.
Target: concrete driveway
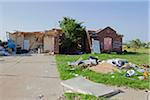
[(29, 78)]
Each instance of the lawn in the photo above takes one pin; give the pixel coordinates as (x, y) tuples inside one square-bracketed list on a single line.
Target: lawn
[(118, 79), (73, 96), (140, 50)]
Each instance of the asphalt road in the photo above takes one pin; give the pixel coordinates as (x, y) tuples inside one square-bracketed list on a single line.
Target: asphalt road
[(29, 78)]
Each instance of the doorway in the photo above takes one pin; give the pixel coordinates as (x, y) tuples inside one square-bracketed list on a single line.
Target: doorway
[(26, 44), (107, 44)]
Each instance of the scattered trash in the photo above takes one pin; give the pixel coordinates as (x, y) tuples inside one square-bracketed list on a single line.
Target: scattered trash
[(51, 53), (4, 53), (117, 62), (146, 66), (85, 63), (113, 65), (140, 70), (40, 97), (82, 85), (130, 73), (1, 48), (141, 77), (76, 62), (129, 66), (94, 60), (145, 74)]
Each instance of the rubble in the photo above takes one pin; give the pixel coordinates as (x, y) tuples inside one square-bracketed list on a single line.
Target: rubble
[(3, 51), (145, 74), (117, 62), (76, 62), (130, 73), (113, 65), (85, 63)]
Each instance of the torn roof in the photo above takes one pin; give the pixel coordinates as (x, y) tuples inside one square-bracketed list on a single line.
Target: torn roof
[(55, 31), (51, 32)]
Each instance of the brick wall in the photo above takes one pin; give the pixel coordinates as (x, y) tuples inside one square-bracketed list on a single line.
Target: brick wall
[(116, 39)]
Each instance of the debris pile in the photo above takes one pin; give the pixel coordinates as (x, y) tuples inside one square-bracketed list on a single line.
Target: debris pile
[(113, 65), (85, 63), (10, 48), (117, 62), (4, 49)]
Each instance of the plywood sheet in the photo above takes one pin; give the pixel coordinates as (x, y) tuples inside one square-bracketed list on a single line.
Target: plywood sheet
[(82, 85)]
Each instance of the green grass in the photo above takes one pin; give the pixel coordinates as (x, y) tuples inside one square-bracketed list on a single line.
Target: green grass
[(140, 50), (73, 96), (67, 72)]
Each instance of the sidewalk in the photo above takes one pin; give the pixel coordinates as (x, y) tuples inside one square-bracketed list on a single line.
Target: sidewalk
[(29, 78)]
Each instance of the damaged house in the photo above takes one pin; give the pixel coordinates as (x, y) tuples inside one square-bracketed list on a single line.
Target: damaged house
[(104, 40), (47, 41)]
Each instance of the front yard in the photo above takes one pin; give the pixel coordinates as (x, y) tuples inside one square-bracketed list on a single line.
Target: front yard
[(118, 79)]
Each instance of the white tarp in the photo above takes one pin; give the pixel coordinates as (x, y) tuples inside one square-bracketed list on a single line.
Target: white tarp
[(82, 85)]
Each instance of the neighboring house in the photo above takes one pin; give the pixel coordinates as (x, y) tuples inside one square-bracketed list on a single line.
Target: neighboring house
[(109, 40), (104, 40)]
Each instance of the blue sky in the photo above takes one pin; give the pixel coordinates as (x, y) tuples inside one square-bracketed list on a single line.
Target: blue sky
[(127, 18)]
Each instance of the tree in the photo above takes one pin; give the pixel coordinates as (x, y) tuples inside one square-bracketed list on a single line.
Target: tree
[(143, 44), (147, 45), (73, 34), (135, 44)]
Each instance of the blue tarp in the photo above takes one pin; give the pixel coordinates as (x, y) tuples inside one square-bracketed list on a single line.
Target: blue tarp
[(12, 45)]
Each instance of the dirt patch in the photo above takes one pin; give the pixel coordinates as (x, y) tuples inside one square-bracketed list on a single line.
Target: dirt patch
[(104, 67)]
